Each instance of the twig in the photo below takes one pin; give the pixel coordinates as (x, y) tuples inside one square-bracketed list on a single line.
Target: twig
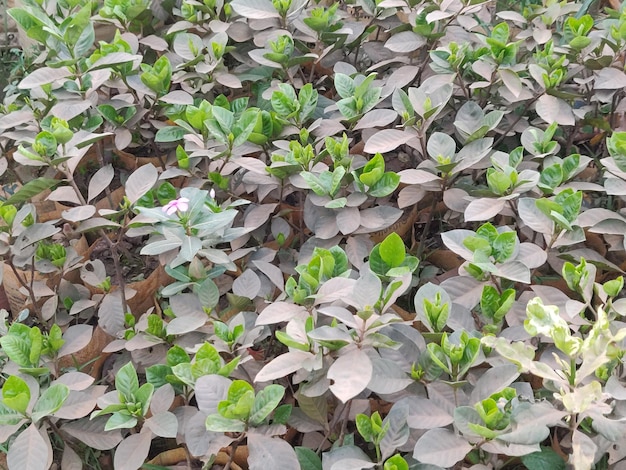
[(517, 119), (233, 449), (29, 288), (344, 424), (422, 242), (115, 254)]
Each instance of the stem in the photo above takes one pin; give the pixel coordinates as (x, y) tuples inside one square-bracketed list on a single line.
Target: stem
[(344, 424), (517, 119), (573, 423), (29, 288), (572, 372), (487, 94), (422, 137), (553, 240), (232, 451), (100, 158), (67, 439), (464, 88), (422, 243), (115, 254), (495, 282)]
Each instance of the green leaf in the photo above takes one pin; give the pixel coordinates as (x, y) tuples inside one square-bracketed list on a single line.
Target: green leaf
[(165, 193), (208, 293), (144, 396), (546, 459), (208, 351), (217, 423), (364, 426), (17, 348), (489, 301), (392, 250), (290, 342), (182, 158), (45, 144), (170, 134), (197, 115), (488, 232), (613, 287), (159, 76), (386, 185), (477, 245), (504, 246), (16, 394), (341, 261), (36, 345), (308, 101), (245, 125), (337, 178), (221, 331), (31, 23), (436, 313), (500, 33), (157, 374), (8, 213), (497, 181), (32, 189), (204, 367), (284, 101), (282, 414), (373, 170), (224, 118), (315, 183), (110, 409), (506, 302), (50, 401), (344, 85), (570, 165), (308, 459), (176, 355), (571, 202), (86, 39), (228, 368), (120, 420), (9, 416), (396, 462), (550, 178), (110, 114), (239, 402), (265, 402), (548, 207), (370, 99), (470, 354), (54, 340), (336, 203), (438, 356), (348, 107), (183, 372), (127, 383), (377, 264)]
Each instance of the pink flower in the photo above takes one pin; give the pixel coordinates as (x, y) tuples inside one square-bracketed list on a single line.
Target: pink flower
[(177, 205)]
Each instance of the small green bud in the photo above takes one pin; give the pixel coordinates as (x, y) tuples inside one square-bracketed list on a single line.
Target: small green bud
[(61, 130), (614, 287), (105, 285), (417, 372), (8, 213)]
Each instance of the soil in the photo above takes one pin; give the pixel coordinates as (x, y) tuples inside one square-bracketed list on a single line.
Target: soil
[(134, 266)]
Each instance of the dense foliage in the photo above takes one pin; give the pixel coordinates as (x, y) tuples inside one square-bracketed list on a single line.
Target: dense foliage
[(279, 234)]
